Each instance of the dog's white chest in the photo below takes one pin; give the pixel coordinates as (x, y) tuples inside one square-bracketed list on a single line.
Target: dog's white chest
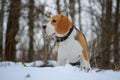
[(70, 50)]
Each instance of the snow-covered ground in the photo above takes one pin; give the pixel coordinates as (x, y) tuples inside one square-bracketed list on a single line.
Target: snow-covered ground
[(16, 71)]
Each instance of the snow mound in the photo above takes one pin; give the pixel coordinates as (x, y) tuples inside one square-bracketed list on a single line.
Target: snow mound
[(67, 72)]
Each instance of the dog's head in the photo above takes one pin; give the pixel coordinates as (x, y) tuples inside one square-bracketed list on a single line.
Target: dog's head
[(58, 25)]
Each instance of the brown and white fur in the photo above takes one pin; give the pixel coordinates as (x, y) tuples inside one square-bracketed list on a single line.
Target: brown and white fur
[(74, 48)]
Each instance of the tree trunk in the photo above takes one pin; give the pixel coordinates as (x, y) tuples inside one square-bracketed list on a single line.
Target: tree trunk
[(116, 33), (72, 9), (79, 12), (1, 27), (31, 27), (66, 7), (107, 34), (12, 29), (58, 6)]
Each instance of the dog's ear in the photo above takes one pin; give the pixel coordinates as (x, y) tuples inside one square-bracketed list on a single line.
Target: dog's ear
[(70, 18), (63, 25)]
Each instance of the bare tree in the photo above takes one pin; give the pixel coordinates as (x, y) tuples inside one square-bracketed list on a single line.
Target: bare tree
[(31, 27), (106, 46), (72, 9), (12, 29), (58, 6), (117, 33), (107, 34), (79, 12), (1, 27)]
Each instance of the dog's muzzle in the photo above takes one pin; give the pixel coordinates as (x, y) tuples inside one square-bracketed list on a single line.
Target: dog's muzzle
[(44, 29)]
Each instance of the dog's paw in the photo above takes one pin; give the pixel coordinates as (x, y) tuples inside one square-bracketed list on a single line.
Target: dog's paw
[(85, 65)]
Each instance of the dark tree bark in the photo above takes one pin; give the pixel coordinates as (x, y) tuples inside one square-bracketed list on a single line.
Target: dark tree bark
[(12, 29), (107, 35), (58, 6), (31, 27), (1, 27), (72, 9), (116, 33)]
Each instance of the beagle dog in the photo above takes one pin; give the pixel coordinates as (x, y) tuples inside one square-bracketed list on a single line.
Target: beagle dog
[(72, 43)]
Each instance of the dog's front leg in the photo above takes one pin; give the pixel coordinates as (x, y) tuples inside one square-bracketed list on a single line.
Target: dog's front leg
[(84, 64), (61, 60), (84, 61)]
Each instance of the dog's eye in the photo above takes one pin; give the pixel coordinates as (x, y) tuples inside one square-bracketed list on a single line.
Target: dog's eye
[(53, 20)]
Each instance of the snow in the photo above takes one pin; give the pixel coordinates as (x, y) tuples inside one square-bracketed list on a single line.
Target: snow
[(16, 71)]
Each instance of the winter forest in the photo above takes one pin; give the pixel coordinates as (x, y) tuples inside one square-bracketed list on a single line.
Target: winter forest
[(22, 39), (23, 42)]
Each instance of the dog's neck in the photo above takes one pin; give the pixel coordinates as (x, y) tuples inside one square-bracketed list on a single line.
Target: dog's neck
[(66, 36)]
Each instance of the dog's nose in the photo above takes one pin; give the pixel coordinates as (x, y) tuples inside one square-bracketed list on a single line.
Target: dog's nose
[(44, 27)]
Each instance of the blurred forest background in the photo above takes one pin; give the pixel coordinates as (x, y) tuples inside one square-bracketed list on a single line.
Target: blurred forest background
[(22, 39)]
